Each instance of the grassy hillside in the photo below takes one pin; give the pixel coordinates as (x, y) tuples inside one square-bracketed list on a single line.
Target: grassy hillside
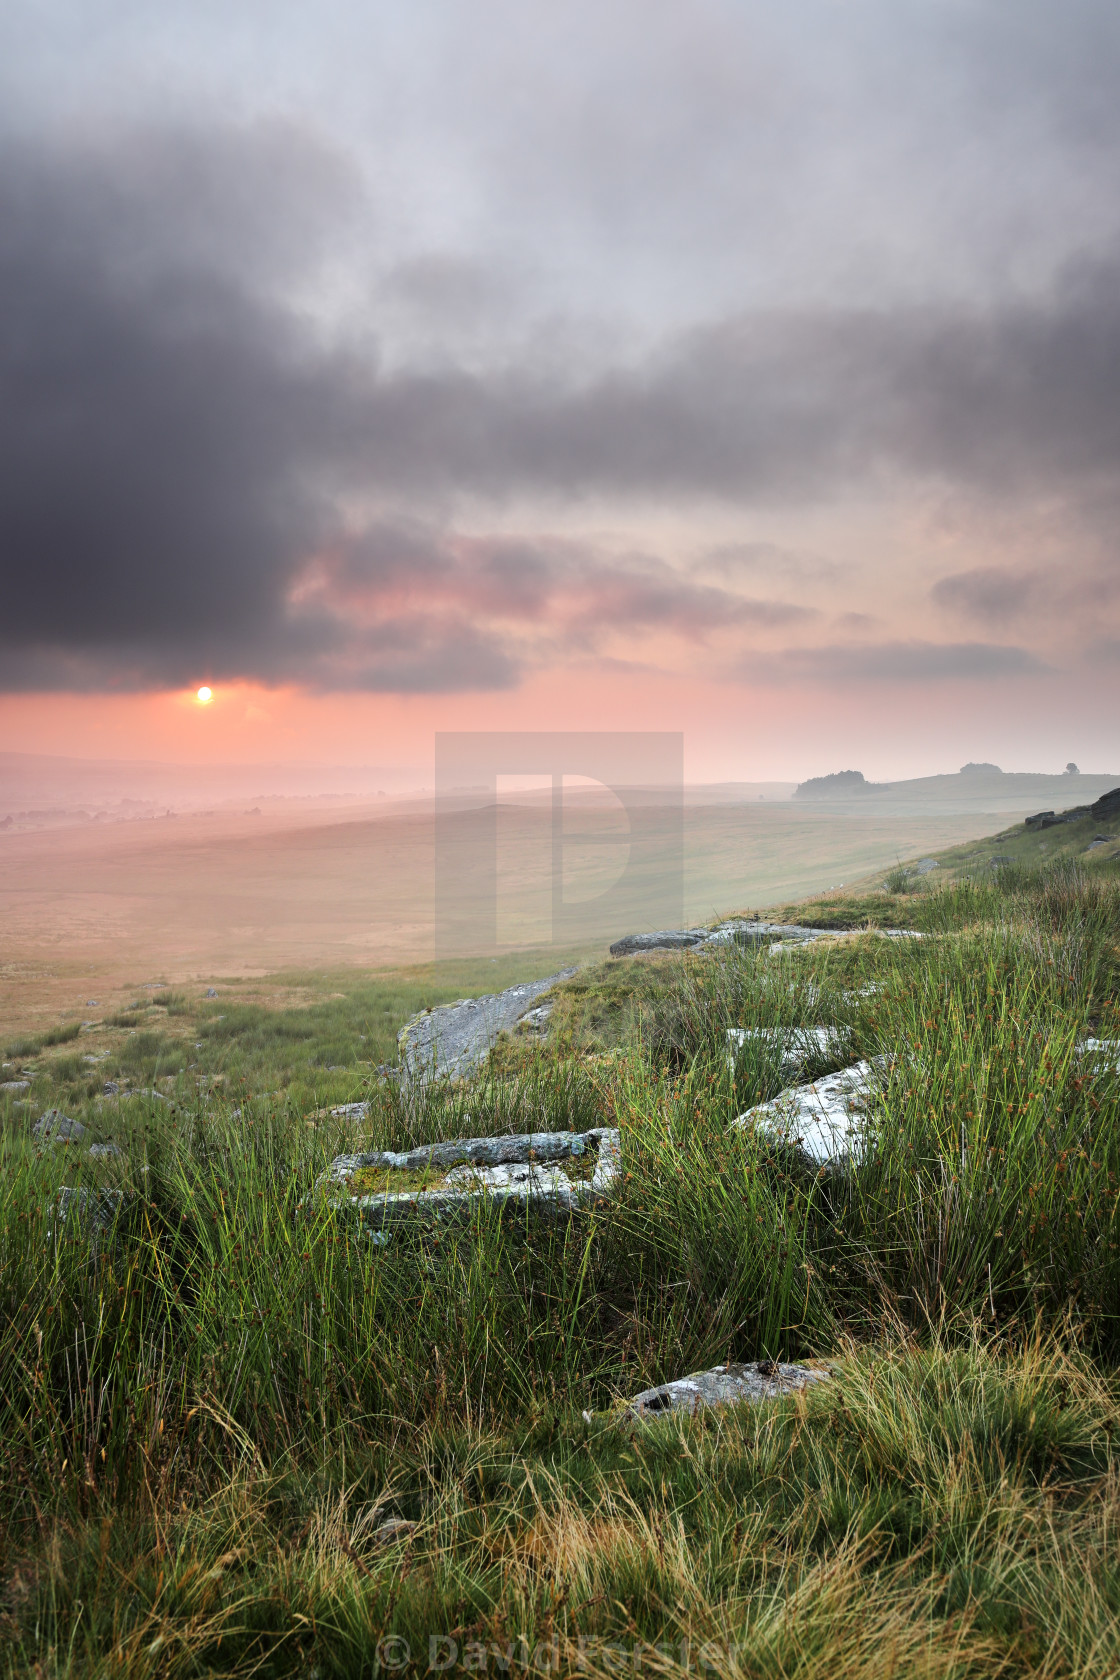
[(209, 1415)]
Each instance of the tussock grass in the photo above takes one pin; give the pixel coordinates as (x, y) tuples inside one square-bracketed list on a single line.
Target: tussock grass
[(208, 1412), (43, 1041)]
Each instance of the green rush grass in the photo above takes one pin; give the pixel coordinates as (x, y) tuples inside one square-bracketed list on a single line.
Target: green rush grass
[(211, 1402)]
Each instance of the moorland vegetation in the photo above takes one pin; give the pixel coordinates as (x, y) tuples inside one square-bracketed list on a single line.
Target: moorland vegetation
[(238, 1438)]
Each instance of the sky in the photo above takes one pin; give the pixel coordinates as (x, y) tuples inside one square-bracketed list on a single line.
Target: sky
[(741, 369)]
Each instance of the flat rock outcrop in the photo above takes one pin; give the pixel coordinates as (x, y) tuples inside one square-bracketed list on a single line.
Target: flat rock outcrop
[(727, 933), (556, 1172), (724, 1385)]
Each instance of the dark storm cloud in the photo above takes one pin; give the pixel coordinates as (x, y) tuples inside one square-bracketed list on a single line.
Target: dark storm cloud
[(181, 451)]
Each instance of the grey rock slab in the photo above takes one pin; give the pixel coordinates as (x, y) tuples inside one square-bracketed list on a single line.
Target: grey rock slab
[(454, 1040), (103, 1151), (724, 1385), (826, 1120), (539, 1180), (925, 866), (15, 1085), (56, 1127)]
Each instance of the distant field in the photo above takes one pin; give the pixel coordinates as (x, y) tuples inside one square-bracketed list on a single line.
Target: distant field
[(94, 912)]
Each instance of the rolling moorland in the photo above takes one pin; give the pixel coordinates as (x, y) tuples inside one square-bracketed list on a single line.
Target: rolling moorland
[(239, 1438), (261, 891)]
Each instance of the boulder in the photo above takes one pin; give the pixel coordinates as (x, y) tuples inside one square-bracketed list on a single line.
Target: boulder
[(15, 1085), (724, 1385), (1102, 1049), (668, 939), (56, 1127), (93, 1214), (1108, 805), (454, 1041), (925, 866), (824, 1121)]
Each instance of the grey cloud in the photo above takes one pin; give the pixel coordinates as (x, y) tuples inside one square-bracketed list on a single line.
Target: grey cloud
[(892, 662), (987, 593), (766, 409), (571, 587), (767, 559)]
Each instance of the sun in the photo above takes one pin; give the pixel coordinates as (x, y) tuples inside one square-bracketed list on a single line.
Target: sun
[(205, 695)]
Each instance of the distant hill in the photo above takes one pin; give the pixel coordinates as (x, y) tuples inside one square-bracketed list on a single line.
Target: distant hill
[(975, 787)]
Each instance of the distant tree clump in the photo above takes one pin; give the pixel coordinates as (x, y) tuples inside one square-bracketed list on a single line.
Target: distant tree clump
[(840, 782), (1071, 769), (971, 769)]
